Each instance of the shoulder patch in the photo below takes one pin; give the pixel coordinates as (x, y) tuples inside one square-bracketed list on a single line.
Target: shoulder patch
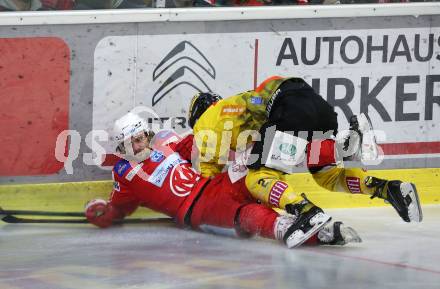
[(257, 100), (156, 156), (233, 109), (121, 167)]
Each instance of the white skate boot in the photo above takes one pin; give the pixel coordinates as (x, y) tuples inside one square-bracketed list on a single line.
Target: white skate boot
[(360, 143), (337, 233), (333, 233), (402, 196), (306, 220)]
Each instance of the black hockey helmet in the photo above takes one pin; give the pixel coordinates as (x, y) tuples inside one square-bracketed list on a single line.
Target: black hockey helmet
[(199, 104)]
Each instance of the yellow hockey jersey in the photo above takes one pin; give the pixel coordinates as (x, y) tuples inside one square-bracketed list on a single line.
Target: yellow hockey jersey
[(229, 123)]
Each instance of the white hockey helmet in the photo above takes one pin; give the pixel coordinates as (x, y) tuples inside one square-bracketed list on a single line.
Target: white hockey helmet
[(126, 127)]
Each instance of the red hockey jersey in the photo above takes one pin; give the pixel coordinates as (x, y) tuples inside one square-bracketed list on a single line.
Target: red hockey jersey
[(165, 182)]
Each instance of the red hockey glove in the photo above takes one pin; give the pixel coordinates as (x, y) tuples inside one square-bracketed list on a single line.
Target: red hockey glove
[(100, 213), (185, 147)]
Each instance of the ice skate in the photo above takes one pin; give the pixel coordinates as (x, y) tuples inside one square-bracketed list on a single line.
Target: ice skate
[(336, 233), (306, 220), (360, 144), (402, 196)]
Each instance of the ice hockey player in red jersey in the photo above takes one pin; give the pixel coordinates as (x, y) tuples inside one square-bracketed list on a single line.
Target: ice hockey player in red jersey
[(156, 173)]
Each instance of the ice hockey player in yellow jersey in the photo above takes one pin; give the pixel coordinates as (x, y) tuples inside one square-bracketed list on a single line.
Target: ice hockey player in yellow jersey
[(280, 105)]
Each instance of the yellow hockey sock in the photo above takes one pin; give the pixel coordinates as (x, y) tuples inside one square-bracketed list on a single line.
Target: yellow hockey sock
[(348, 180), (271, 187)]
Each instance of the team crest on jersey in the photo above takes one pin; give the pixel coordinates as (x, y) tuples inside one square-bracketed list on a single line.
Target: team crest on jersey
[(182, 179), (156, 156)]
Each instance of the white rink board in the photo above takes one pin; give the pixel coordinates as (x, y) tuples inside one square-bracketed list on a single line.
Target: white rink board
[(122, 72), (385, 68)]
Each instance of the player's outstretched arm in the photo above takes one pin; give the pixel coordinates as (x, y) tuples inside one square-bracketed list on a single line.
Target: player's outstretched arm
[(101, 213)]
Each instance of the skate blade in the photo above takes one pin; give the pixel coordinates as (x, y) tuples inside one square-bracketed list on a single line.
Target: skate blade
[(298, 237), (414, 209), (369, 150), (350, 235)]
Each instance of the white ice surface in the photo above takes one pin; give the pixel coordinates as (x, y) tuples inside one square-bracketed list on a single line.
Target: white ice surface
[(394, 254)]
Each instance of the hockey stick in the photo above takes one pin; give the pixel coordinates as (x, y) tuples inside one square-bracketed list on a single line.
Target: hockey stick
[(16, 220), (41, 213), (8, 217)]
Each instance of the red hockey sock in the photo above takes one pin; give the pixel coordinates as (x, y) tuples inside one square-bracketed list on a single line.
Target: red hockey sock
[(257, 219), (312, 241), (321, 153)]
